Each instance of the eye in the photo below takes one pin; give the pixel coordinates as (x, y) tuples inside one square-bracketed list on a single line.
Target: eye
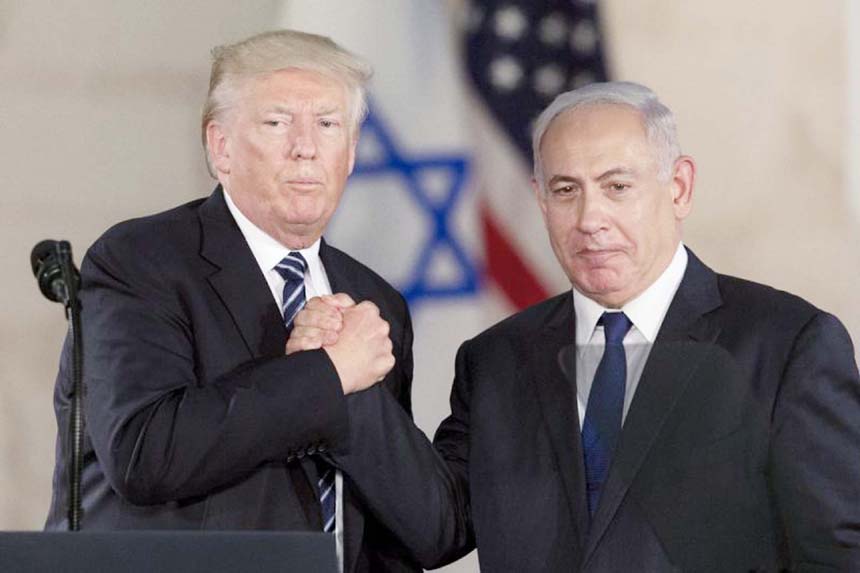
[(275, 123), (563, 190), (327, 123), (619, 187)]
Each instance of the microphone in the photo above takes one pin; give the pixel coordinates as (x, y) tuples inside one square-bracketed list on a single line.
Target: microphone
[(47, 260), (59, 280)]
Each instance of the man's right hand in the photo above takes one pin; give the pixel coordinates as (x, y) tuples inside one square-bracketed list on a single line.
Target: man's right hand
[(362, 354)]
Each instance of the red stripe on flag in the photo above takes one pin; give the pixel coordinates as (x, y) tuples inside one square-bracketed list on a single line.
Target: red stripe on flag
[(505, 266)]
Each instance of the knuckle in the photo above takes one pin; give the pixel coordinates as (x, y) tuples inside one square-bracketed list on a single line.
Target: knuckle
[(344, 298)]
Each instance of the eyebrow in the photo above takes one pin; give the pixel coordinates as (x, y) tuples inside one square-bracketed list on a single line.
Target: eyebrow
[(616, 171), (608, 174), (327, 110), (563, 179)]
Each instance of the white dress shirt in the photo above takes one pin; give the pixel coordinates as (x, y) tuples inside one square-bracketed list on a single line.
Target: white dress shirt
[(268, 252), (646, 312)]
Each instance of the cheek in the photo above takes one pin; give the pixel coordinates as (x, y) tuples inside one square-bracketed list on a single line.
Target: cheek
[(559, 224)]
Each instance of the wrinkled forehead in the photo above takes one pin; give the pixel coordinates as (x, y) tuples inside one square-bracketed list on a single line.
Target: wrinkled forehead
[(595, 119)]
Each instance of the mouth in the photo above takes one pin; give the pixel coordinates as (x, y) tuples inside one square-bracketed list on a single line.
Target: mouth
[(306, 183), (597, 256)]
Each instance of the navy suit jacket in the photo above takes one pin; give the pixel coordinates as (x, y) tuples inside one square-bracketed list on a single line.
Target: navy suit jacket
[(195, 418), (740, 451)]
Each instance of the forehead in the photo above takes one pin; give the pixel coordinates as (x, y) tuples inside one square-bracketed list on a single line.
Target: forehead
[(595, 129), (294, 85)]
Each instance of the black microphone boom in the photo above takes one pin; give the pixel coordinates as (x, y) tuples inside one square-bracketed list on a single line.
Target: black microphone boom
[(47, 264)]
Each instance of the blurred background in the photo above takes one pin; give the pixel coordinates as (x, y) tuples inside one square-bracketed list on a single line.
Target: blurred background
[(99, 122)]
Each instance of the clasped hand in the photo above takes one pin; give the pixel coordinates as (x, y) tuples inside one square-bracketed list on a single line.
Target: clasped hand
[(355, 337)]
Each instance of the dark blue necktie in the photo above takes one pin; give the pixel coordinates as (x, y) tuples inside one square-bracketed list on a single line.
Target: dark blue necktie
[(292, 270), (602, 424)]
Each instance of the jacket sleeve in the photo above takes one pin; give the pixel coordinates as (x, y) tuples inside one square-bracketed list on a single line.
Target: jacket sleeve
[(815, 448), (416, 490), (158, 430)]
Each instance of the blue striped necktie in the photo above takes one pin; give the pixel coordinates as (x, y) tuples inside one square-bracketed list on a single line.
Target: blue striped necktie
[(602, 424), (292, 270)]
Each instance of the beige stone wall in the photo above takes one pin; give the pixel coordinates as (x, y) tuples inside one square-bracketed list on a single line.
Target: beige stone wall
[(759, 89), (99, 108), (98, 123)]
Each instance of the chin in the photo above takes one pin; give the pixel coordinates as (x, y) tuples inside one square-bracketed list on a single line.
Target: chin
[(302, 214), (602, 284)]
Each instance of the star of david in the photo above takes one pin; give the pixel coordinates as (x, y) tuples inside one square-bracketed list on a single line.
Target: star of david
[(408, 168)]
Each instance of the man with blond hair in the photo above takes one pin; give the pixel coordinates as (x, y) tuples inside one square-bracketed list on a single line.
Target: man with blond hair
[(196, 416)]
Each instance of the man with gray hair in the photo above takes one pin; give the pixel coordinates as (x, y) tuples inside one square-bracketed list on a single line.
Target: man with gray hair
[(658, 417), (196, 416)]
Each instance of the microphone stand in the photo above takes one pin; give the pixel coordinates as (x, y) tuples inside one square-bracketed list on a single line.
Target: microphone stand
[(76, 421)]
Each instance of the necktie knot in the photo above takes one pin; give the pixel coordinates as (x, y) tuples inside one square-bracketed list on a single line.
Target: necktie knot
[(615, 327), (292, 267)]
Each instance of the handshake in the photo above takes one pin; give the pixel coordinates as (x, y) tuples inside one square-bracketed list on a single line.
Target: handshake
[(355, 337)]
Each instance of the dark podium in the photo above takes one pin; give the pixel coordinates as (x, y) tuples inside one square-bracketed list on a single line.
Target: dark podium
[(167, 551)]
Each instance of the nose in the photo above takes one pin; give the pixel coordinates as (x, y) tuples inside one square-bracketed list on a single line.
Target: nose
[(591, 215), (302, 144)]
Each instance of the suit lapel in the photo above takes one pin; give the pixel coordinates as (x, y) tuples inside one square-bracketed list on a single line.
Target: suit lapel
[(238, 281), (243, 290), (552, 360), (339, 277), (671, 363)]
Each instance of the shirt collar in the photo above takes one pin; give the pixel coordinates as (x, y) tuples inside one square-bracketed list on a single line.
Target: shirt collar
[(266, 250), (646, 311)]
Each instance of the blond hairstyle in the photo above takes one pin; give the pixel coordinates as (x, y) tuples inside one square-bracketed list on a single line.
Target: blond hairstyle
[(233, 64)]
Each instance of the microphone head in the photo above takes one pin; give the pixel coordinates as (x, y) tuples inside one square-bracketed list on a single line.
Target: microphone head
[(47, 270), (40, 253)]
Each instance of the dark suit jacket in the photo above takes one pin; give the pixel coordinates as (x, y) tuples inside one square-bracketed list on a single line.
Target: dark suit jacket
[(740, 451), (195, 418)]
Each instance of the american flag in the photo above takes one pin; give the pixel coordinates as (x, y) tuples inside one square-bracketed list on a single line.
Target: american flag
[(519, 55)]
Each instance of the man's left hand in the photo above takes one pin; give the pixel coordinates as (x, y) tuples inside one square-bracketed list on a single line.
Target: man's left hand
[(318, 323)]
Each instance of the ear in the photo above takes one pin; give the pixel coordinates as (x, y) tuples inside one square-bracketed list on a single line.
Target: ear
[(683, 179), (218, 145), (540, 196)]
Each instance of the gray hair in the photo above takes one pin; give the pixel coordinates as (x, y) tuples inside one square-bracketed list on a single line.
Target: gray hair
[(269, 52), (657, 118)]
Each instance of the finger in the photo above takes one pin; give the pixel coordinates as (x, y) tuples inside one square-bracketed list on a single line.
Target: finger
[(326, 319), (308, 339), (301, 344), (339, 300), (369, 307), (386, 365), (323, 302)]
